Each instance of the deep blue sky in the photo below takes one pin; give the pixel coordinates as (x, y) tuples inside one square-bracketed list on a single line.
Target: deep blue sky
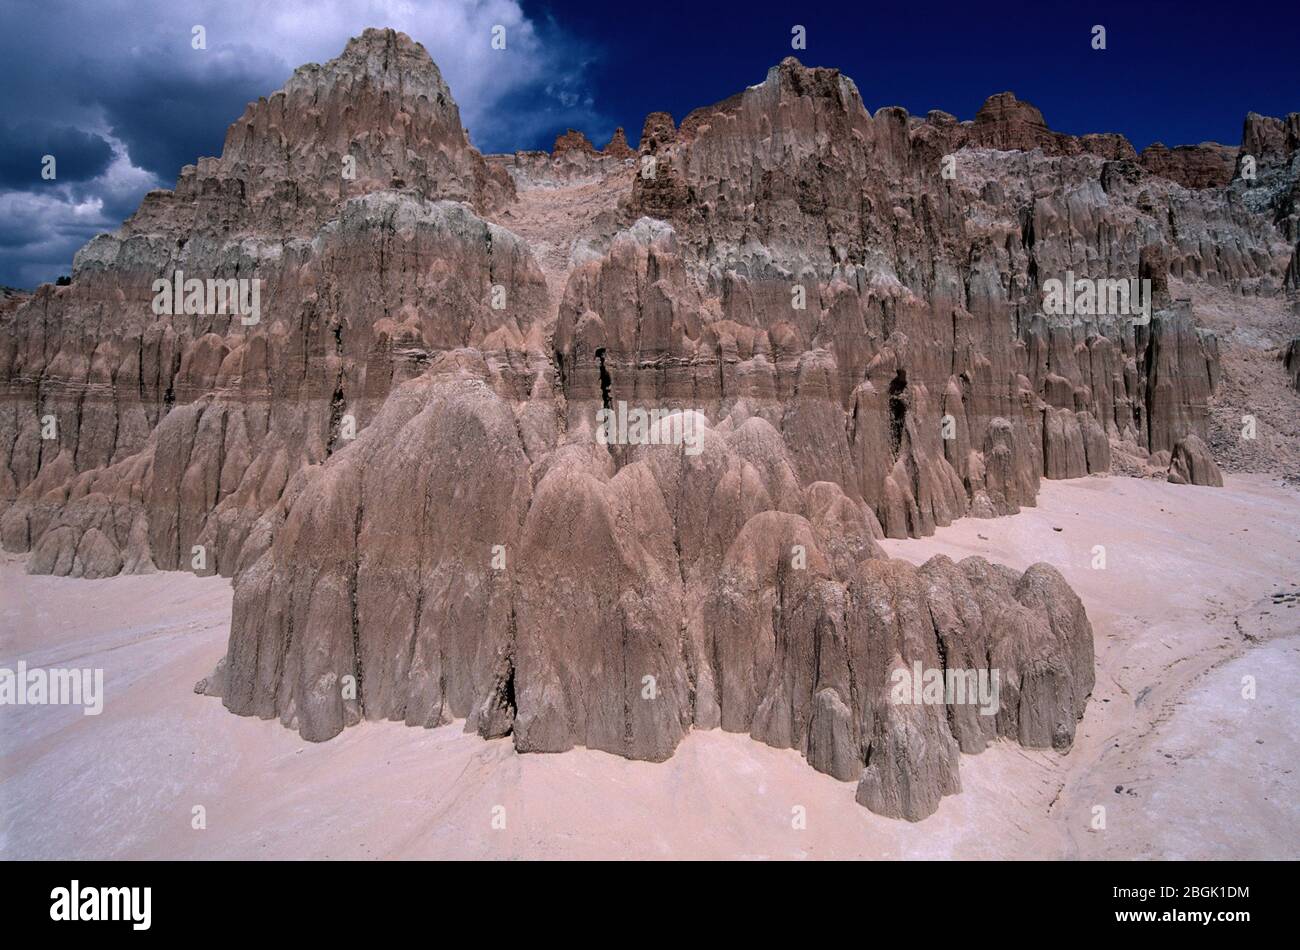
[(1177, 73), (115, 90)]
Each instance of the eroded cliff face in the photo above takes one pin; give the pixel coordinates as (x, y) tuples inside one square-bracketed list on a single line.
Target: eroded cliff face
[(836, 318), (175, 431)]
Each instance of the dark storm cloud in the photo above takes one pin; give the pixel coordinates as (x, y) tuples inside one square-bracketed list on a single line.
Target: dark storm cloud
[(15, 233), (79, 156), (37, 243), (170, 111)]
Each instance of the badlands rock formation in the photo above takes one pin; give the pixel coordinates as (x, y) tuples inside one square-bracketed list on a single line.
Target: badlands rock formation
[(1208, 165), (838, 317), (1291, 360)]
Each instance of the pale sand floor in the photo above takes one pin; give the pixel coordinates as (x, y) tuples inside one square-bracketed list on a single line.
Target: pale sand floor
[(1181, 613)]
